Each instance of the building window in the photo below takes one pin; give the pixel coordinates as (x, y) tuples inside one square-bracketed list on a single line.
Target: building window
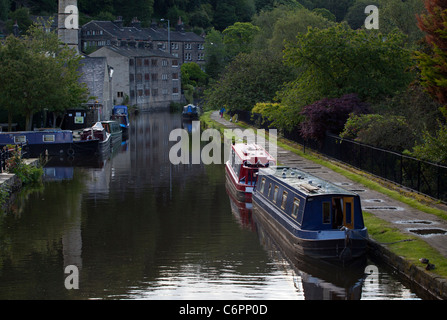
[(164, 63), (175, 90), (130, 62), (175, 76), (131, 77), (175, 63), (154, 77), (140, 93), (188, 56), (146, 62), (139, 77), (147, 77), (188, 46), (147, 92), (120, 94), (200, 46), (201, 56), (154, 62), (154, 92), (164, 77), (165, 91), (132, 93)]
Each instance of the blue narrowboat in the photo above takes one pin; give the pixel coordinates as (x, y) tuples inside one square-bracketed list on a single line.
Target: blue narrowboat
[(52, 142), (190, 111), (310, 216), (120, 114)]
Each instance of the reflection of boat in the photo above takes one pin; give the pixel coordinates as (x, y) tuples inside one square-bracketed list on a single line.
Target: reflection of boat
[(245, 161), (242, 211), (317, 279), (120, 114), (52, 142), (97, 132), (190, 111), (57, 173), (113, 128), (310, 216)]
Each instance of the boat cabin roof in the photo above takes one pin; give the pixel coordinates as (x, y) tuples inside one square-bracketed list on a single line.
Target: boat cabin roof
[(304, 182), (252, 153)]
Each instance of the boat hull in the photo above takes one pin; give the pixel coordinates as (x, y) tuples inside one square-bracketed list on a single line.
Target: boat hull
[(240, 191), (334, 245)]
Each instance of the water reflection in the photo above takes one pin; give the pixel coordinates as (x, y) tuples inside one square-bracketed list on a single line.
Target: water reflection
[(138, 227)]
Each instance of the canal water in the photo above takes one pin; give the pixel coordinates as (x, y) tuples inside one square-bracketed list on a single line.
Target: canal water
[(138, 227)]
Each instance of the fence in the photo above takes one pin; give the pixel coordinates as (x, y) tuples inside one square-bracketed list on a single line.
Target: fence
[(421, 176)]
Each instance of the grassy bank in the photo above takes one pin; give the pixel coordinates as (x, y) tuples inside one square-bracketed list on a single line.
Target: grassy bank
[(407, 246)]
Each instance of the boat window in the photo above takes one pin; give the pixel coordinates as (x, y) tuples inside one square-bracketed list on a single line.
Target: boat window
[(275, 194), (262, 185), (270, 190), (20, 139), (326, 212), (49, 138), (296, 205), (284, 200)]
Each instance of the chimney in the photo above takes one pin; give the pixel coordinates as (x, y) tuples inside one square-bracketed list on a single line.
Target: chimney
[(119, 22), (180, 26), (68, 35), (135, 23)]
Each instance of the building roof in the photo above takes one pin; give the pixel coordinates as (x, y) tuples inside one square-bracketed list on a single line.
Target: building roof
[(143, 34), (304, 182), (137, 52)]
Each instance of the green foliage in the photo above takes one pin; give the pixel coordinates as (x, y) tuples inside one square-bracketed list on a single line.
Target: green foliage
[(387, 132), (39, 73), (338, 60), (193, 75), (26, 173), (280, 115), (434, 147), (249, 79), (238, 37)]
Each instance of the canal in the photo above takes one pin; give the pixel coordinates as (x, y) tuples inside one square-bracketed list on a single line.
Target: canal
[(138, 227)]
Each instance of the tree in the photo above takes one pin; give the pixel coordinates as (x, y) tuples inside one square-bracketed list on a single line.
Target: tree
[(238, 37), (433, 62), (329, 115), (249, 79), (338, 61), (216, 55), (39, 73), (384, 131)]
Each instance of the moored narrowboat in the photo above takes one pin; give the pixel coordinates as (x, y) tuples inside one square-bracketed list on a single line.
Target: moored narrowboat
[(310, 216), (48, 142), (190, 111), (98, 133), (242, 167), (120, 114), (113, 128)]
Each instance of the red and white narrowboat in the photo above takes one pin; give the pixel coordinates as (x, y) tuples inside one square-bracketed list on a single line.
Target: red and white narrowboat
[(242, 167)]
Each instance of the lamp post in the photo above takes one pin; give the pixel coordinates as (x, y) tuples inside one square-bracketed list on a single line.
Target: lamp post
[(169, 33)]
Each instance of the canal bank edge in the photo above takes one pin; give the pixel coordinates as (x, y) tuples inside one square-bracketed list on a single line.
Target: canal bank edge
[(12, 183), (434, 284)]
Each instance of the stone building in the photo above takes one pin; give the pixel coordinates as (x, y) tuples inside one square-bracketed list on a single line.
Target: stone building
[(186, 46), (143, 77)]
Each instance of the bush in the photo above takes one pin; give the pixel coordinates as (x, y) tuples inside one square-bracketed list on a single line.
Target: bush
[(27, 174), (329, 115), (387, 132)]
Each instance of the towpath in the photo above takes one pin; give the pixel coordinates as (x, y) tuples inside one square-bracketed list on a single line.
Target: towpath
[(407, 219)]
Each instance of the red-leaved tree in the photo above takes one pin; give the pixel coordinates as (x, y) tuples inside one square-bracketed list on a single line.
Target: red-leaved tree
[(433, 62), (329, 115)]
